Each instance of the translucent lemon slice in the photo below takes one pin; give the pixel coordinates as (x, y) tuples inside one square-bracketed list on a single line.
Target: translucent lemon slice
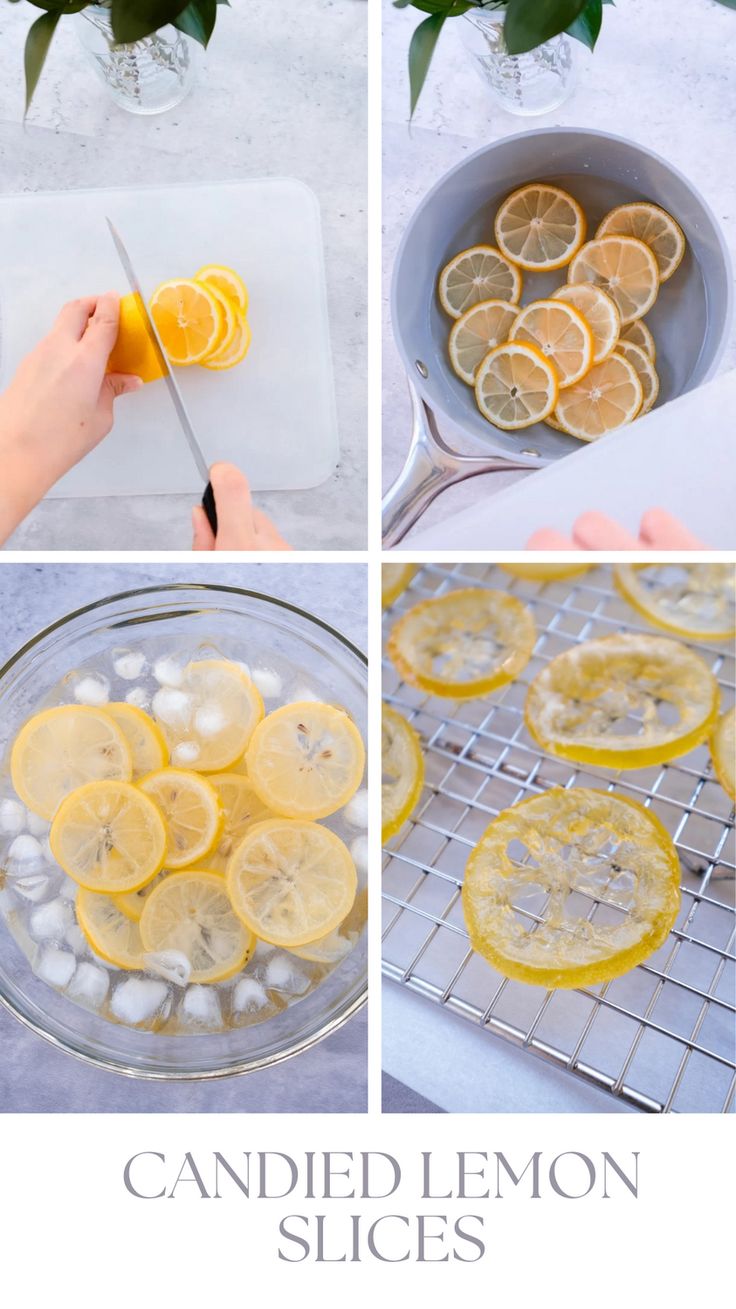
[(643, 365), (652, 225), (561, 333), (463, 644), (241, 808), (148, 748), (60, 749), (480, 273), (543, 572), (479, 330), (638, 333), (306, 760), (540, 227), (599, 312), (625, 701), (212, 714), (191, 812), (291, 882), (571, 888), (516, 386), (403, 771), (191, 912), (608, 396), (723, 752), (131, 903), (112, 935), (624, 268), (696, 600), (109, 836), (336, 945), (394, 579)]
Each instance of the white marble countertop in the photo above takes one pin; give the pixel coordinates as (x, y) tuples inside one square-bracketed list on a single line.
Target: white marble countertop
[(662, 74), (283, 92)]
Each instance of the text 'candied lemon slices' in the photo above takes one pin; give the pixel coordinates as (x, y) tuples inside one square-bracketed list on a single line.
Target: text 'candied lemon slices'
[(148, 748), (622, 267), (544, 572), (571, 888), (561, 333), (241, 808), (626, 701), (652, 225), (291, 882), (609, 396), (540, 227), (723, 752), (191, 912), (516, 386), (638, 334), (463, 644), (402, 767), (60, 749), (333, 947), (191, 812), (598, 310), (109, 837), (111, 933), (306, 759), (479, 273), (188, 319), (644, 368), (394, 579), (486, 325), (696, 600), (212, 712)]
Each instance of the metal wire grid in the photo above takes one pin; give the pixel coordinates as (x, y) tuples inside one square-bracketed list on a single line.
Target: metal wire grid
[(661, 1037)]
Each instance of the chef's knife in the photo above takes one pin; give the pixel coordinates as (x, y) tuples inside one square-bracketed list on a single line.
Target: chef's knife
[(208, 499)]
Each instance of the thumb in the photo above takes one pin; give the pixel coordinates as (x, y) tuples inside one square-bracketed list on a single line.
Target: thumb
[(235, 528), (203, 538), (122, 384)]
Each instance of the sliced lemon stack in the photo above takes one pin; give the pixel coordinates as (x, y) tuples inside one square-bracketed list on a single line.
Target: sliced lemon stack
[(203, 320)]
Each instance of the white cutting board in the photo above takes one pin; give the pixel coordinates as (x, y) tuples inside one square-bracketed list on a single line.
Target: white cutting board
[(273, 415)]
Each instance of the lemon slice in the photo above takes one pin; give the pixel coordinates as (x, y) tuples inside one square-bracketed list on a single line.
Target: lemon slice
[(394, 579), (189, 320), (306, 760), (191, 812), (212, 712), (696, 600), (403, 772), (571, 888), (227, 282), (516, 386), (60, 749), (723, 752), (463, 644), (626, 701), (241, 808), (235, 352), (131, 903), (562, 335), (642, 364), (599, 312), (543, 572), (112, 934), (146, 741), (638, 334), (108, 836), (230, 320), (291, 882), (191, 912), (652, 225), (608, 396), (479, 273), (337, 944), (540, 227), (486, 325), (624, 268)]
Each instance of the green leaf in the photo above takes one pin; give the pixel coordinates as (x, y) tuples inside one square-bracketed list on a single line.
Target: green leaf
[(449, 8), (587, 27), (421, 49), (37, 48), (730, 4), (134, 19), (198, 20), (530, 23)]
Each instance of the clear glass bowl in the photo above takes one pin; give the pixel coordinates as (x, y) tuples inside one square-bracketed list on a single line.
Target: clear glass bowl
[(238, 622)]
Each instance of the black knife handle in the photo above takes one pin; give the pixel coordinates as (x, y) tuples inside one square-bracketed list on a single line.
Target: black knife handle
[(208, 504)]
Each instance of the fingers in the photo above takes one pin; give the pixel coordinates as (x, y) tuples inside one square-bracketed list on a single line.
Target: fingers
[(594, 531), (203, 538), (268, 536), (659, 530), (546, 538), (73, 317), (102, 328), (235, 529)]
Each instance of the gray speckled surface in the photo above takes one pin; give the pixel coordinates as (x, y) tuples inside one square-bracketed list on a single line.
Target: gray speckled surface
[(35, 1077)]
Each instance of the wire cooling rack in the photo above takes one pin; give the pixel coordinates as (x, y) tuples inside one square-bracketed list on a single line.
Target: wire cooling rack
[(662, 1037)]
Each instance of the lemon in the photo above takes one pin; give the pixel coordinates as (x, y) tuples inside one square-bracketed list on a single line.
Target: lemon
[(723, 752), (214, 710), (109, 836), (543, 572), (191, 813), (191, 912), (402, 767), (477, 331), (230, 321), (394, 579), (624, 268), (516, 386), (227, 282), (112, 934), (599, 312), (228, 356), (608, 396), (241, 808), (638, 333), (136, 350), (652, 225), (131, 903), (561, 333), (479, 273), (148, 748), (333, 947), (60, 749), (695, 600), (642, 364), (189, 320), (540, 227), (306, 760)]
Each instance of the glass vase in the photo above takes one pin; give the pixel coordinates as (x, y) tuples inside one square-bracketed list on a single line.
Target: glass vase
[(528, 84), (144, 77)]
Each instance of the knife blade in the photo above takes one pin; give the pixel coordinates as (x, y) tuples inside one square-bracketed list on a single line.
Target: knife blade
[(208, 499)]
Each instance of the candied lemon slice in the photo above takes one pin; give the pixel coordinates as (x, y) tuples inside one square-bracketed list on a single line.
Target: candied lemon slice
[(212, 713), (561, 333), (638, 334), (543, 572), (723, 752), (599, 312), (571, 888), (480, 273), (131, 903), (625, 700), (111, 933), (608, 396), (697, 600), (191, 812), (540, 227), (109, 836), (463, 644), (60, 749), (486, 325), (642, 364), (306, 759), (652, 225), (291, 882), (241, 808), (402, 769), (336, 945), (394, 579), (148, 748), (191, 912), (622, 267), (516, 386)]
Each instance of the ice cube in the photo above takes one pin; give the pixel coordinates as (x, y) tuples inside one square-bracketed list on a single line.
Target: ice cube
[(244, 667), (268, 682), (90, 983), (50, 921), (262, 951), (138, 999), (34, 887), (12, 817), (185, 753), (301, 693), (25, 849), (356, 810), (173, 707), (92, 690), (74, 936), (168, 671), (171, 964), (129, 664), (47, 852), (36, 825), (283, 974), (68, 888), (56, 966), (249, 995), (209, 720), (359, 851), (201, 1005), (138, 697)]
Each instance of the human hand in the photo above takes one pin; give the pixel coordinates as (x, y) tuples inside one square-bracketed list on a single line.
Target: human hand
[(658, 530), (239, 525)]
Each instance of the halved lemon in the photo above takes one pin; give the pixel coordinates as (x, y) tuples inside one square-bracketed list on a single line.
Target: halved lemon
[(540, 227), (561, 333), (598, 310), (112, 934), (646, 372), (608, 396), (291, 882), (638, 333), (723, 752), (695, 600), (486, 325), (622, 267), (108, 836), (306, 760), (479, 273), (60, 749), (625, 701), (191, 812), (571, 888), (191, 912), (516, 386), (402, 767), (394, 579), (215, 711), (463, 644), (543, 572), (241, 808), (135, 350), (652, 225), (227, 282), (189, 320), (333, 947), (235, 352), (148, 748)]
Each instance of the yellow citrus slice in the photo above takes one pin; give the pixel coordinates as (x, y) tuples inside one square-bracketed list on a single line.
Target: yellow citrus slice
[(227, 282), (652, 225), (394, 579), (540, 227), (695, 600), (475, 333), (638, 334), (333, 947), (642, 364), (516, 386), (230, 320), (189, 320), (131, 903), (543, 572), (241, 808), (626, 701), (463, 644), (211, 714), (479, 273), (135, 350), (60, 749), (109, 836), (291, 882), (306, 759), (191, 812), (599, 312), (112, 934), (553, 421), (571, 888), (402, 768), (191, 912), (723, 752), (608, 396), (236, 351), (624, 268), (148, 748), (562, 335)]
